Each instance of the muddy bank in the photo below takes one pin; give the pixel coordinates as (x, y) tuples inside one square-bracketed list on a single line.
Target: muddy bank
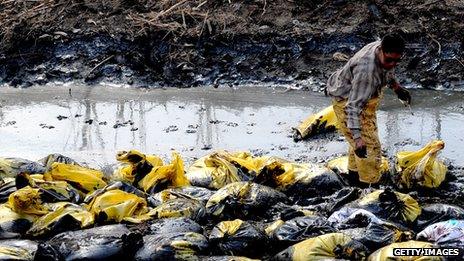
[(192, 43), (91, 124)]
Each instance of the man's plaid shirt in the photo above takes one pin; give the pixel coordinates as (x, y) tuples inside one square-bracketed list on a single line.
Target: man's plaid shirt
[(361, 79)]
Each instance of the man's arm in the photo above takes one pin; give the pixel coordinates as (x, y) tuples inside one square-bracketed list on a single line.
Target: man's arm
[(401, 92)]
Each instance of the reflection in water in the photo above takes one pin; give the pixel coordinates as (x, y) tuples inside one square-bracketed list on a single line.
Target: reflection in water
[(100, 140), (86, 133), (206, 125), (262, 125), (142, 127), (1, 115), (438, 124), (392, 130)]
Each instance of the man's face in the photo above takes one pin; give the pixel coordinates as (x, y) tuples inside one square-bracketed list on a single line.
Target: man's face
[(390, 60)]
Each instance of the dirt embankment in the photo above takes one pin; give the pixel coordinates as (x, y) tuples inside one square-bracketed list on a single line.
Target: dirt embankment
[(187, 42)]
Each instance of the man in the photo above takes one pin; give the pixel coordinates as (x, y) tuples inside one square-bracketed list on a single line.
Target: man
[(356, 90)]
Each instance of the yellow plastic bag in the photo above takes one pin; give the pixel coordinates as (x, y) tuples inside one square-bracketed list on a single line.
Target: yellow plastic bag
[(273, 227), (27, 201), (50, 221), (323, 121), (117, 205), (14, 223), (79, 177), (386, 253), (135, 156), (50, 191), (324, 247), (59, 191), (124, 172), (421, 167), (221, 168), (180, 207), (230, 227), (390, 205), (213, 171), (298, 178), (131, 160), (340, 165), (246, 162), (167, 176)]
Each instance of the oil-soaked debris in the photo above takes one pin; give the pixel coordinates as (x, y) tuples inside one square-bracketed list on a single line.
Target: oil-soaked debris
[(171, 128), (232, 124), (45, 126), (407, 141), (119, 124), (207, 147)]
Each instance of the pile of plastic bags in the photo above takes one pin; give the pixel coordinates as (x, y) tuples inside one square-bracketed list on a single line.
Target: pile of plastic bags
[(223, 206), (413, 169)]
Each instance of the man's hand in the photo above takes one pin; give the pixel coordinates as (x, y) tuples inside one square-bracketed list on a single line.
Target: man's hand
[(361, 149), (403, 95)]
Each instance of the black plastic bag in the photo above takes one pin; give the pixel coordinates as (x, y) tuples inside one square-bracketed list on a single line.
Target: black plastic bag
[(10, 167), (434, 213), (173, 246), (6, 189), (390, 205), (12, 224), (56, 157), (112, 242), (180, 207), (448, 234), (173, 225), (242, 200), (20, 250), (324, 247), (237, 237), (300, 228), (377, 235), (188, 192)]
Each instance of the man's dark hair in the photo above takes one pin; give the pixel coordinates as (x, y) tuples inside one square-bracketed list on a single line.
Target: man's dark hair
[(393, 43)]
